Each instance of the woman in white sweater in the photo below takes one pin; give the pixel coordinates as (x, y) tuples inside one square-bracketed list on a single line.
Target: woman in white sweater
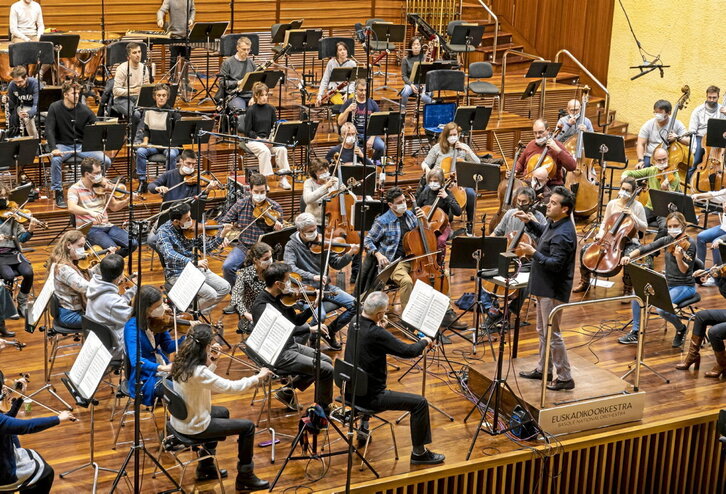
[(194, 379)]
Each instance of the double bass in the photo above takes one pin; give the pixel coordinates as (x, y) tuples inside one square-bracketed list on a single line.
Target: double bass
[(709, 172), (678, 154), (506, 188), (420, 243), (602, 257), (587, 199)]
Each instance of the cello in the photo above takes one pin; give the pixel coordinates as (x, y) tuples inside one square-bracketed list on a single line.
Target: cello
[(678, 154), (602, 257), (586, 201), (437, 219), (710, 166), (336, 213), (506, 188), (457, 191), (420, 243), (542, 160)]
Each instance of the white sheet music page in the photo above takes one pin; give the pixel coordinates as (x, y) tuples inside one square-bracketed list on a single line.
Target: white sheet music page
[(41, 302), (426, 309), (262, 327), (277, 337), (186, 287), (90, 366)]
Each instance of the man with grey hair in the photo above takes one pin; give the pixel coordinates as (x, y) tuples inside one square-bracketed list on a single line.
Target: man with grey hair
[(306, 263), (373, 343)]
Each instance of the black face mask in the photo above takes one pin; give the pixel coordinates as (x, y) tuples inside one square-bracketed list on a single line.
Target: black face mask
[(711, 104), (3, 203), (524, 207)]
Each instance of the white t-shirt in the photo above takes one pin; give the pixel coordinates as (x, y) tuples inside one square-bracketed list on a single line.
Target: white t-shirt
[(700, 117), (655, 134)]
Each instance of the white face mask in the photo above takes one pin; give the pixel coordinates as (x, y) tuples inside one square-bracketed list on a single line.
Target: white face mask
[(434, 185), (310, 236), (350, 140), (158, 312), (259, 197), (575, 116), (623, 194), (288, 287), (661, 166), (400, 208), (187, 225), (541, 141), (674, 232), (186, 170), (660, 117), (266, 263), (324, 176), (80, 252), (452, 139), (96, 179)]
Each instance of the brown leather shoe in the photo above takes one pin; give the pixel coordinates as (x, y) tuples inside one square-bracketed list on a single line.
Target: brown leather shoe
[(720, 368), (693, 356), (583, 286)]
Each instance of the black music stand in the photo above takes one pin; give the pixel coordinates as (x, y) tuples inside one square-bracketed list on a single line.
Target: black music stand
[(31, 52), (277, 240), (304, 41), (279, 31), (716, 133), (385, 123), (388, 33), (269, 77), (355, 172), (543, 69), (292, 134), (16, 153), (101, 137), (604, 148), (471, 118), (206, 32), (187, 131), (375, 209), (478, 176), (64, 45), (530, 90), (666, 202), (469, 35), (146, 96), (652, 288)]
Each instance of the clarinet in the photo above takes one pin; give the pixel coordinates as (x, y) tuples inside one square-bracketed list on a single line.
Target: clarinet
[(21, 122)]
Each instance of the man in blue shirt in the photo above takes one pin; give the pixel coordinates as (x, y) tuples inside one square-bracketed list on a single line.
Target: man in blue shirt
[(358, 110), (22, 102)]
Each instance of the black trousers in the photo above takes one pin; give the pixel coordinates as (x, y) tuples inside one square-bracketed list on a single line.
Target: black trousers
[(716, 318), (659, 220), (8, 272), (44, 483), (223, 426), (408, 402)]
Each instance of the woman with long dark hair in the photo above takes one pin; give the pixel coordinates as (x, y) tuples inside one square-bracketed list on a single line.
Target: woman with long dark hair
[(194, 380), (250, 283), (155, 346)]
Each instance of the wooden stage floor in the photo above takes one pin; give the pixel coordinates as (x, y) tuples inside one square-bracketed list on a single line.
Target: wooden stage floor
[(590, 332)]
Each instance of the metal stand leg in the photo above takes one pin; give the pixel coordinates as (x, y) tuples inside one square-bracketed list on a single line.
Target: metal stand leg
[(423, 385), (639, 361)]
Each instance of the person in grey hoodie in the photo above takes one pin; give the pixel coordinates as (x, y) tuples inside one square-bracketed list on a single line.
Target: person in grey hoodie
[(105, 305)]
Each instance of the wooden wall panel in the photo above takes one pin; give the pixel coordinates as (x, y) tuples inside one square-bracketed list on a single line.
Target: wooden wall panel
[(583, 28), (249, 15)]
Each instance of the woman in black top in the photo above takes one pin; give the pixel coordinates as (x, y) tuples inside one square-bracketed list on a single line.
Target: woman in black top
[(679, 275), (416, 55), (258, 125)]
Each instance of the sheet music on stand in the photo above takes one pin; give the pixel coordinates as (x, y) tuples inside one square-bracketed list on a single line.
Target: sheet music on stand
[(41, 302), (186, 287), (270, 335), (425, 309), (89, 367)]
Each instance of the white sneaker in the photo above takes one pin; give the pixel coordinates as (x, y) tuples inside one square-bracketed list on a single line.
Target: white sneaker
[(709, 282), (285, 184)]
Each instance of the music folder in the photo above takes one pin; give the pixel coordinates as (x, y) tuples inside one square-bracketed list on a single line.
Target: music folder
[(269, 336)]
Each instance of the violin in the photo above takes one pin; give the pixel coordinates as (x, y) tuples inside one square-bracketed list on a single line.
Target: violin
[(338, 246), (602, 257), (300, 292), (20, 215), (166, 322), (266, 213), (209, 226), (118, 191), (93, 256), (684, 243)]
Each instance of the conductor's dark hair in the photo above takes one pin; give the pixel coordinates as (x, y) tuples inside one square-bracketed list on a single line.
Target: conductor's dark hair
[(112, 266), (568, 198), (664, 105), (178, 211), (275, 272), (393, 193)]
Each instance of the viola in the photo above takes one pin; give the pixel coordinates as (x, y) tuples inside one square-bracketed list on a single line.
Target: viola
[(118, 191), (602, 257), (93, 256), (20, 215), (684, 243), (337, 244), (300, 292), (166, 322), (266, 213), (209, 226)]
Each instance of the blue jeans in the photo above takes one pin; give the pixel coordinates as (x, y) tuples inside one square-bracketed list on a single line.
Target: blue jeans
[(238, 104), (111, 236), (57, 161), (341, 299), (142, 154), (69, 318), (379, 147), (234, 262), (697, 157), (407, 92), (678, 294), (470, 203), (706, 237)]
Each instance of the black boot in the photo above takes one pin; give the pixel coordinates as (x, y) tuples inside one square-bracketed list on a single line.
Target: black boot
[(4, 330), (143, 187), (470, 229), (59, 201), (22, 304), (248, 481), (207, 471)]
